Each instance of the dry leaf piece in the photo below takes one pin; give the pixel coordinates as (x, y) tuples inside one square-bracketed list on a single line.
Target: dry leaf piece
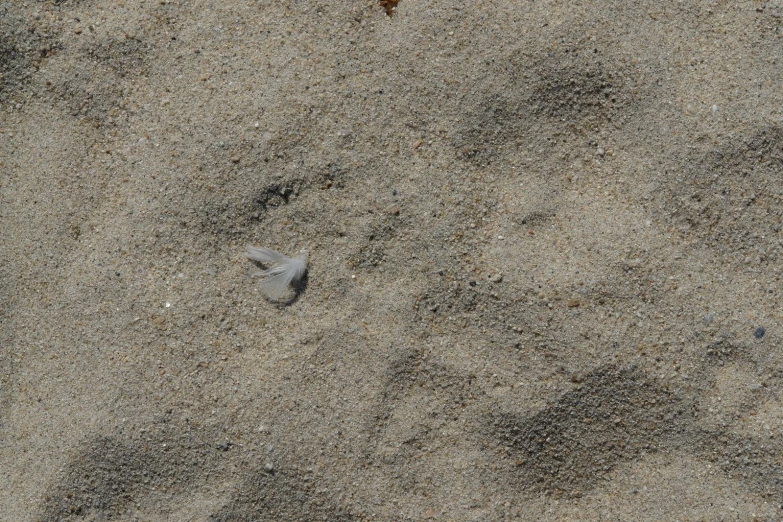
[(389, 5)]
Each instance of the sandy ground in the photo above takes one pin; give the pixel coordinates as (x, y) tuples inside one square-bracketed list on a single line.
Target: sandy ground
[(545, 260)]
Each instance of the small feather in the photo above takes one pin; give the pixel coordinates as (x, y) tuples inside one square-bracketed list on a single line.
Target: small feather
[(277, 278), (265, 255), (275, 286)]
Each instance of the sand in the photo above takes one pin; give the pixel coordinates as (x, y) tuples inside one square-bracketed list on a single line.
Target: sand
[(544, 244)]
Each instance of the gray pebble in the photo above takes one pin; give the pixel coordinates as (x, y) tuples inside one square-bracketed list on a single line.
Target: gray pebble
[(759, 333)]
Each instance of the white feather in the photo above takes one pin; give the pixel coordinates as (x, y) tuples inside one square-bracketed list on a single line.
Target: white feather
[(278, 277)]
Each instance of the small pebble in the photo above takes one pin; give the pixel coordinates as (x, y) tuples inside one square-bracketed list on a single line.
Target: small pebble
[(496, 278), (708, 319), (759, 333), (269, 468)]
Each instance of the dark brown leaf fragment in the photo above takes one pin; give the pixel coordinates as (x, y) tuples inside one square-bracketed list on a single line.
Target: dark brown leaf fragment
[(389, 5)]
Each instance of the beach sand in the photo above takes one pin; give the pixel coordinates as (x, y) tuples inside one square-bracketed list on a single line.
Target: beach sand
[(544, 244)]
